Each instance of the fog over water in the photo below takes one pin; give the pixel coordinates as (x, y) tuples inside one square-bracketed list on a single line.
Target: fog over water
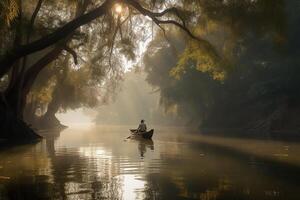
[(97, 162), (136, 100)]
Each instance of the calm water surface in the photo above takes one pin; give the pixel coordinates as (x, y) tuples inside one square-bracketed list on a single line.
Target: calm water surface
[(98, 163)]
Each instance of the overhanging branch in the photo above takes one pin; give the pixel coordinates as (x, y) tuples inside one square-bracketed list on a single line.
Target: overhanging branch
[(73, 53), (155, 16), (56, 36), (118, 28), (63, 32)]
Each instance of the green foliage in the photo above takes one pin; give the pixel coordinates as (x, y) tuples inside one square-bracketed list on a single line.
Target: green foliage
[(200, 59), (224, 24), (9, 10), (265, 76)]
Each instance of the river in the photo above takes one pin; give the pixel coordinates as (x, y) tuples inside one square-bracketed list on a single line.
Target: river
[(98, 162)]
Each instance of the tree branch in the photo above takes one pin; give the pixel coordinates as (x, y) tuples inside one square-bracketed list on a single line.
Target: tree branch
[(33, 17), (64, 31), (36, 68), (154, 16), (73, 53), (59, 34), (33, 71)]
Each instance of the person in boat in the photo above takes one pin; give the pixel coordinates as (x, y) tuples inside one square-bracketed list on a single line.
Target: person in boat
[(142, 127)]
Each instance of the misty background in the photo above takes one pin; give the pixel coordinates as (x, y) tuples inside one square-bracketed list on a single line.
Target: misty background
[(135, 99), (255, 86)]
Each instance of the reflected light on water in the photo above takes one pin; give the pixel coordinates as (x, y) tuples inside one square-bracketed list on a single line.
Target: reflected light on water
[(132, 186), (95, 152), (129, 186)]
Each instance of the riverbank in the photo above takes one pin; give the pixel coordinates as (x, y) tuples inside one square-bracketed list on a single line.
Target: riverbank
[(39, 134)]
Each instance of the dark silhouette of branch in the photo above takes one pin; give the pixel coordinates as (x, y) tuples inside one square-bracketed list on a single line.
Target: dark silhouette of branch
[(73, 53), (64, 31), (33, 71), (118, 28), (154, 16), (33, 17), (159, 22), (36, 68), (24, 62), (113, 41), (56, 36)]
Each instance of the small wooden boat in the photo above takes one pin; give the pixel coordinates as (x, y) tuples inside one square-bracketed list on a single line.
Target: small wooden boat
[(145, 135)]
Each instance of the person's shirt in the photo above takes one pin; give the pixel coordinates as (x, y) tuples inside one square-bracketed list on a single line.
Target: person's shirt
[(142, 127)]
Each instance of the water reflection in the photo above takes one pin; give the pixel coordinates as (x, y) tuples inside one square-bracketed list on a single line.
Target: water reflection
[(143, 145), (98, 164)]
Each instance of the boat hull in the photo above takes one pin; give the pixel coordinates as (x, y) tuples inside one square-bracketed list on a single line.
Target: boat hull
[(145, 135)]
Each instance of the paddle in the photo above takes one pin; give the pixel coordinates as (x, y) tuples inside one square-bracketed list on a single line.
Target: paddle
[(132, 132)]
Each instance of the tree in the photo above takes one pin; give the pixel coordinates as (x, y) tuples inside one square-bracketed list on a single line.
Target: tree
[(63, 37), (260, 90)]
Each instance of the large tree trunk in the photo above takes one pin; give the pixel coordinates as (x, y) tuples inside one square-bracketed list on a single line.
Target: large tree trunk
[(12, 128), (12, 102), (30, 111), (49, 120)]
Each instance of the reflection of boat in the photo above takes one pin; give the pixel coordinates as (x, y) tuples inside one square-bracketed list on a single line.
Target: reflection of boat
[(145, 135), (143, 144)]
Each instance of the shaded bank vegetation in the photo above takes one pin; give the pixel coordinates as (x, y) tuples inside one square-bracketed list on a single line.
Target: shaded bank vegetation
[(220, 63), (256, 88)]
